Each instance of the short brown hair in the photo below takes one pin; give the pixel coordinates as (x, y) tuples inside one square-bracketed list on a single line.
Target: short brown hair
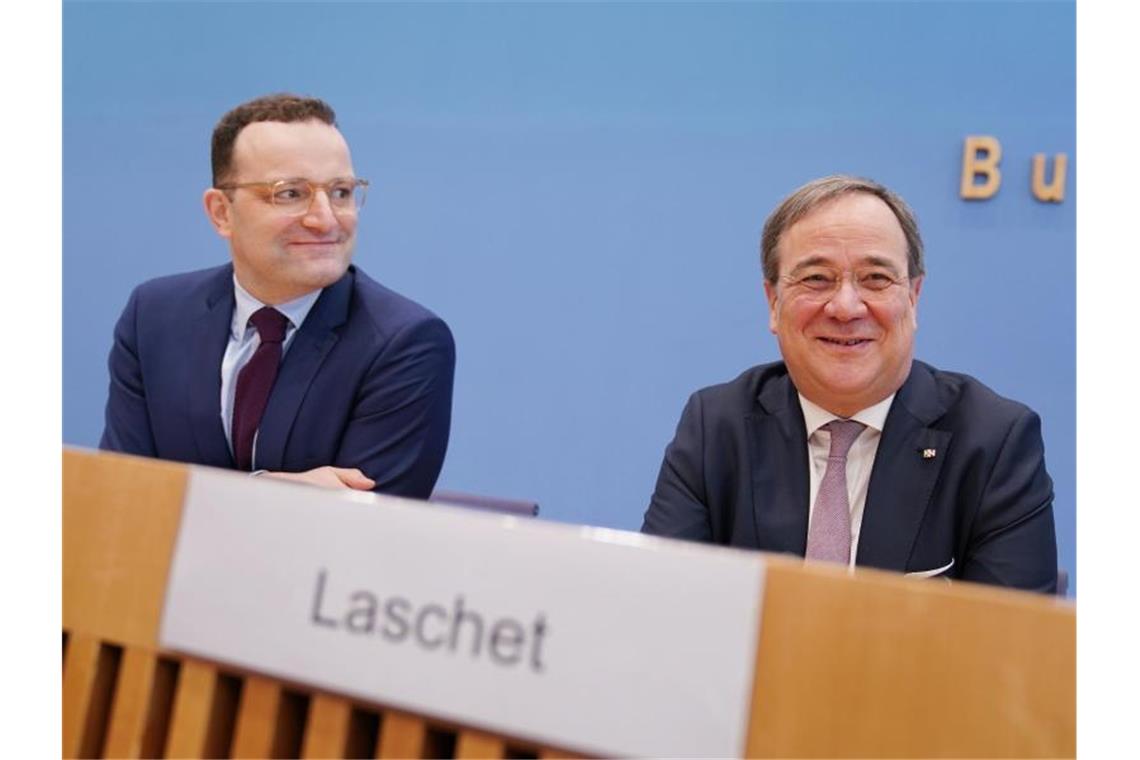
[(818, 192), (283, 107)]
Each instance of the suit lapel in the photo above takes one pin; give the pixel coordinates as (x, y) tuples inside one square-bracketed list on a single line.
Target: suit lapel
[(312, 343), (902, 479), (778, 454), (209, 334)]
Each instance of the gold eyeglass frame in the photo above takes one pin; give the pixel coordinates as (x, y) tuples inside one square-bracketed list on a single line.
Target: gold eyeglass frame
[(271, 192)]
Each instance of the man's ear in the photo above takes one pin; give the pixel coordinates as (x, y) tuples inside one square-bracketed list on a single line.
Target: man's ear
[(219, 211), (915, 290), (770, 292)]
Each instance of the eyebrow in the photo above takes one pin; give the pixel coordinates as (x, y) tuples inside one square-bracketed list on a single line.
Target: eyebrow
[(880, 261), (815, 261), (275, 180), (811, 261)]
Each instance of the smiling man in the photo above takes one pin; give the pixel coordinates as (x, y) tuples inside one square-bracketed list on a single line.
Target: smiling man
[(849, 450), (288, 360)]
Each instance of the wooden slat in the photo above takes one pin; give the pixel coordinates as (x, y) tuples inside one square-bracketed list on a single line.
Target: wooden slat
[(132, 700), (292, 715), (192, 703), (257, 718), (401, 735), (223, 715), (326, 733), (78, 680), (120, 518), (363, 733), (477, 745), (160, 710), (911, 668)]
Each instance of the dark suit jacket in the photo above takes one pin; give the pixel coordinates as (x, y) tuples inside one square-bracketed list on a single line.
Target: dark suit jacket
[(366, 382), (737, 473)]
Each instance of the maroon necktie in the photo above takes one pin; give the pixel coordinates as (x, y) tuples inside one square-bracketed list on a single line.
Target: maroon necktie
[(255, 381), (829, 537)]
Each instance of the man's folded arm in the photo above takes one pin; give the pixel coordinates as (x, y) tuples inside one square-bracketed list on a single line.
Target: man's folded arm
[(398, 432), (1012, 541)]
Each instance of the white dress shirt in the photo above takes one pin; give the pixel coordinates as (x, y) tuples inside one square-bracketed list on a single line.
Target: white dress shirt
[(860, 458), (244, 341)]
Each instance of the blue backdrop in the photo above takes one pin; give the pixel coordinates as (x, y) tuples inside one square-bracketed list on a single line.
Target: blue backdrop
[(578, 189)]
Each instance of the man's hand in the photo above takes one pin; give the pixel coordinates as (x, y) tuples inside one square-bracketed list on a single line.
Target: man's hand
[(329, 477)]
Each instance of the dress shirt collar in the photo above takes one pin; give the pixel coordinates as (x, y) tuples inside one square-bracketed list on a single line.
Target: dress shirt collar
[(245, 305), (816, 416)]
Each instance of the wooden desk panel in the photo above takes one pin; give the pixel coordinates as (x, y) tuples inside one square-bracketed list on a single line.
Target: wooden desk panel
[(865, 665)]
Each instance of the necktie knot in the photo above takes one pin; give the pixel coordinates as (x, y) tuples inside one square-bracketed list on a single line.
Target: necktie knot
[(270, 324), (843, 435)]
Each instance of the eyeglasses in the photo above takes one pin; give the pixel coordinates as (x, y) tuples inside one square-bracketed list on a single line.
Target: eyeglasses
[(821, 283), (295, 196)]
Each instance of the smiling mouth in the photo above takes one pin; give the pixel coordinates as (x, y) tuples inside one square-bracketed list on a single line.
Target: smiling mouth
[(845, 342)]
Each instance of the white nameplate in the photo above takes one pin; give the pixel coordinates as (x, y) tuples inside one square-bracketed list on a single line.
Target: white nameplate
[(606, 642)]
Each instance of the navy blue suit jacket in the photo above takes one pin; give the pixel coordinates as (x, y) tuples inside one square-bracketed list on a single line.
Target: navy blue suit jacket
[(366, 382), (736, 473)]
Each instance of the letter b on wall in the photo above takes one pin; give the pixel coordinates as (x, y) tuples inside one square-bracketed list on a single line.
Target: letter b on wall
[(980, 156)]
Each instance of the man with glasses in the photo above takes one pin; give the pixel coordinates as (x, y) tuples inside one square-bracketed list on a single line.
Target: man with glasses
[(288, 360), (850, 451)]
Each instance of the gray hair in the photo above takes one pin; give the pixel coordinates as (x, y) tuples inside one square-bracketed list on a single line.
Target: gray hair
[(818, 192)]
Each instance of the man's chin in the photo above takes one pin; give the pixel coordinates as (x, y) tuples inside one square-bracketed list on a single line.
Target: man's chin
[(320, 274), (842, 393), (859, 390)]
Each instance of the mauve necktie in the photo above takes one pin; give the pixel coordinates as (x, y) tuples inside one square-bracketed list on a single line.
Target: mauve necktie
[(255, 381), (829, 537)]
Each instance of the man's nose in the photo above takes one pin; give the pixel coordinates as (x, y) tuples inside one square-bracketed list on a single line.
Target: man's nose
[(320, 215), (847, 302)]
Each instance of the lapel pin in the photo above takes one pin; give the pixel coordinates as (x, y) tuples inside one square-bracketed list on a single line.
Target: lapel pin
[(929, 453)]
